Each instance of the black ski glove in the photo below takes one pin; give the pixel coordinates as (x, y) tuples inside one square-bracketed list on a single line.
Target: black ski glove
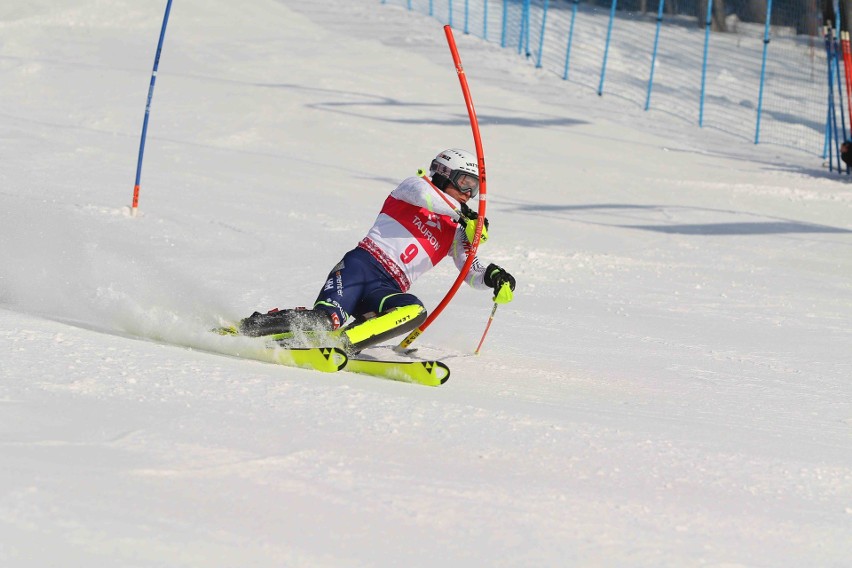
[(470, 213), (468, 221), (502, 282)]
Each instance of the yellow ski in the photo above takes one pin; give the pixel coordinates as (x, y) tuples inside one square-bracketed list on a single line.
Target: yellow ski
[(325, 359), (429, 373)]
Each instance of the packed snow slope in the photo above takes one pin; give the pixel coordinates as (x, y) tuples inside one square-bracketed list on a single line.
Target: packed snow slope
[(672, 385)]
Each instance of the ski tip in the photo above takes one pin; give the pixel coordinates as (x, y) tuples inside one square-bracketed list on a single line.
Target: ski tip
[(446, 377), (336, 356), (439, 370)]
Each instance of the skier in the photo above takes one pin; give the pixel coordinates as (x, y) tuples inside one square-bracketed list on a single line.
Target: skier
[(365, 299)]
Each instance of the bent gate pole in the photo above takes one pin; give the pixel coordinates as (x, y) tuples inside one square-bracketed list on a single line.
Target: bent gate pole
[(474, 124), (134, 207)]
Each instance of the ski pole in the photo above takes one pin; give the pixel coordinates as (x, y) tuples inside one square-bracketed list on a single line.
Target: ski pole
[(487, 326), (421, 173)]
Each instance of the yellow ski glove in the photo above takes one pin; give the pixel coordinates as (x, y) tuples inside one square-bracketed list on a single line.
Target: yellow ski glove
[(470, 230), (469, 218)]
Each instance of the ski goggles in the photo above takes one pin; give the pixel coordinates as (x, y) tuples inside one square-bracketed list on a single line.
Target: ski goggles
[(465, 182)]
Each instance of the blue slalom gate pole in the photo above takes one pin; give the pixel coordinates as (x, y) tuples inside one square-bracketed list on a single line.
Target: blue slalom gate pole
[(466, 17), (570, 39), (485, 20), (541, 36), (527, 28), (606, 47), (503, 31), (831, 127), (762, 72), (826, 151), (704, 64), (835, 66), (524, 29), (654, 55), (135, 205), (840, 80)]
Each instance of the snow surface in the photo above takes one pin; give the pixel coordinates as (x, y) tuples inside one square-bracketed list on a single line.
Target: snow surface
[(672, 385)]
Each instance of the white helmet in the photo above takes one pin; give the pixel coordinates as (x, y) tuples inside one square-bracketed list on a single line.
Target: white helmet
[(457, 167)]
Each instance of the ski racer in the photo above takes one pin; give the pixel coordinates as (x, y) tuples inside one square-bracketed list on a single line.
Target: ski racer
[(365, 299)]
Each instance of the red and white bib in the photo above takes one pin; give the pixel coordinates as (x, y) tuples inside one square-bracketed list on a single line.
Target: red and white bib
[(414, 231)]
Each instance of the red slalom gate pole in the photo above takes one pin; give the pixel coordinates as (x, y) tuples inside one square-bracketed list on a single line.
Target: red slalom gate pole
[(474, 125), (843, 6), (847, 67)]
